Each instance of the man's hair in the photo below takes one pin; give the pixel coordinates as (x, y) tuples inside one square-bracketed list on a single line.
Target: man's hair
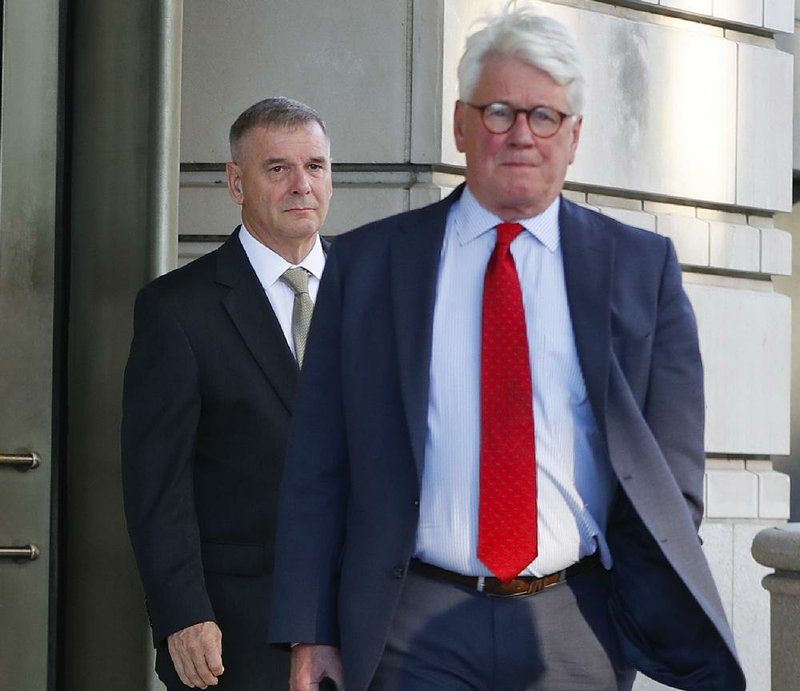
[(272, 112), (524, 34)]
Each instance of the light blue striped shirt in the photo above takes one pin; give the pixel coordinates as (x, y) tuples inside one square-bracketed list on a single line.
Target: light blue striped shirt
[(574, 478)]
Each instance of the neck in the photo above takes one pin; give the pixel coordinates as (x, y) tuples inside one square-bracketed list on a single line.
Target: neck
[(294, 253), (293, 250)]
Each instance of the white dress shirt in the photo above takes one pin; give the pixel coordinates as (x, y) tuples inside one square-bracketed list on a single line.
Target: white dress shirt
[(269, 266), (574, 478)]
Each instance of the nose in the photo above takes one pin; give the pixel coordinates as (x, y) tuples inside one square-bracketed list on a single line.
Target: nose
[(301, 184), (520, 133)]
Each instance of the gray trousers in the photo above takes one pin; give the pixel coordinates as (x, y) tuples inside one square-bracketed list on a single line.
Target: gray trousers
[(448, 637)]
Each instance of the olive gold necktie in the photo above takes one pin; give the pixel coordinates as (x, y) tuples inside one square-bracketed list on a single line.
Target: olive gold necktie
[(297, 279)]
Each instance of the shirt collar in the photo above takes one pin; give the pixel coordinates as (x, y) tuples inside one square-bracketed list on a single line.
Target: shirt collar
[(269, 265), (474, 220)]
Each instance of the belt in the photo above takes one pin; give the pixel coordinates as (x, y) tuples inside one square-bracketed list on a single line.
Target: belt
[(524, 585)]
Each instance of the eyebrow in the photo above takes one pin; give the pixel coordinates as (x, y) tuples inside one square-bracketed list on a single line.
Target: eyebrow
[(313, 159)]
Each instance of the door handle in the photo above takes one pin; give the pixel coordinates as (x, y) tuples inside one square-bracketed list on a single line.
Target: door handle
[(24, 553), (24, 460)]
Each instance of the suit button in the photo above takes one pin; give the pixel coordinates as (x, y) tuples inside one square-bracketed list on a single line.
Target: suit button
[(398, 571), (415, 502)]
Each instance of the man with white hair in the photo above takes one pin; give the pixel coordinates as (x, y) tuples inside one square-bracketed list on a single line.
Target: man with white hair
[(494, 476)]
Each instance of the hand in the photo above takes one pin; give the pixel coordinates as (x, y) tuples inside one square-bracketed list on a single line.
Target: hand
[(196, 652), (310, 663)]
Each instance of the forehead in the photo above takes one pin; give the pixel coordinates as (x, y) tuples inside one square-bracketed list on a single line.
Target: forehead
[(517, 82), (299, 141)]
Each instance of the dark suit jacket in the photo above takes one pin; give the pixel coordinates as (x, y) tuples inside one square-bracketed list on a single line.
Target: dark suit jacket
[(208, 393), (349, 505)]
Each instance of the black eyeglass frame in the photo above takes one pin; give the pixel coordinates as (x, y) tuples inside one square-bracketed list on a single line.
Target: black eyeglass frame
[(516, 111)]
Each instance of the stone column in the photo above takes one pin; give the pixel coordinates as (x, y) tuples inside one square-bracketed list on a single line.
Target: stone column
[(779, 548)]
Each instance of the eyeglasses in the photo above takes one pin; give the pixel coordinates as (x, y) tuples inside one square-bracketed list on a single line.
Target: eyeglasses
[(500, 117)]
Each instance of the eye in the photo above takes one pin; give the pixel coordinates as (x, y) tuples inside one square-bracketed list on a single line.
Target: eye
[(498, 112), (277, 169), (545, 116)]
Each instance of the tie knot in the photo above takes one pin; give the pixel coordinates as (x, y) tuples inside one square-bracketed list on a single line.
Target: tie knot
[(506, 232), (297, 279)]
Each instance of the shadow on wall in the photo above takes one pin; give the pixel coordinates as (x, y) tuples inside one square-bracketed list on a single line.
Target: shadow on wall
[(790, 286)]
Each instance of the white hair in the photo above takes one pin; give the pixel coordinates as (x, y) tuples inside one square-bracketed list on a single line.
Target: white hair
[(524, 34)]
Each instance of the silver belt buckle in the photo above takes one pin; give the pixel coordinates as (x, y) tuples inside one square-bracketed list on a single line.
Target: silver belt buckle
[(480, 585)]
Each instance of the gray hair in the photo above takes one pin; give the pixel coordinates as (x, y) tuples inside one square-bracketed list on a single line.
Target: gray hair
[(524, 34), (272, 112)]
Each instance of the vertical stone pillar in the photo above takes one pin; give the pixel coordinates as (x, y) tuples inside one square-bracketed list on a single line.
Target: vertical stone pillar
[(779, 548)]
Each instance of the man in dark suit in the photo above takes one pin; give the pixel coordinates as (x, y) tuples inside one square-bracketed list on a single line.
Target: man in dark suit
[(208, 394), (494, 475)]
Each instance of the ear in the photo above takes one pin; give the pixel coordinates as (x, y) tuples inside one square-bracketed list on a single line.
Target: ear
[(575, 133), (458, 125), (235, 182)]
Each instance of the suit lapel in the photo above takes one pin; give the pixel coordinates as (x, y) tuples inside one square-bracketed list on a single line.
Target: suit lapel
[(588, 265), (414, 263), (252, 315)]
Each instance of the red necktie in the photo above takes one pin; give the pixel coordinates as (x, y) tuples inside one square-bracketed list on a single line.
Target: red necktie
[(507, 535)]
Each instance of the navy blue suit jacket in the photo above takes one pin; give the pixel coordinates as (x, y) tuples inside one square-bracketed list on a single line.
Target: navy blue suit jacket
[(350, 498)]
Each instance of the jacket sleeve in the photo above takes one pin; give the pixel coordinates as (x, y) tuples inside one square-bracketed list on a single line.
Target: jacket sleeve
[(674, 406), (161, 409)]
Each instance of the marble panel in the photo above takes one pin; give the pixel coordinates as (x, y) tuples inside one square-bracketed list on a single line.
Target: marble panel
[(206, 210), (575, 196), (425, 193), (779, 15), (773, 490), (741, 11), (355, 205), (189, 251), (731, 493), (694, 6), (614, 201), (431, 114), (776, 252), (734, 246), (745, 341), (688, 234), (722, 216), (239, 51), (639, 219), (764, 134), (660, 111), (790, 43), (717, 539)]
